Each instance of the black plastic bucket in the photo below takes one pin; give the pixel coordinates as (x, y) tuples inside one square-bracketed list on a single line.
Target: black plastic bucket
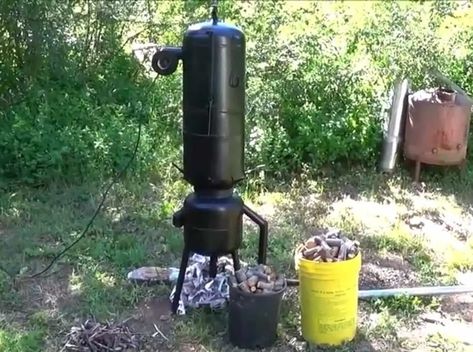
[(253, 318)]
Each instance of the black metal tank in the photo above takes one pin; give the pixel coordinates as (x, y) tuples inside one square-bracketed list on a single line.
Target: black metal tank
[(213, 56), (213, 105), (213, 222)]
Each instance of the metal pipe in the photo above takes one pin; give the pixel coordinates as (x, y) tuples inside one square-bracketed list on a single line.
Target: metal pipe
[(415, 291), (263, 232), (449, 82), (411, 291), (394, 134)]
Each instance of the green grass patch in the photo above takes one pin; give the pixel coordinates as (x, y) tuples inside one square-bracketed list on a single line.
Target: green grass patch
[(399, 240), (26, 339), (404, 306)]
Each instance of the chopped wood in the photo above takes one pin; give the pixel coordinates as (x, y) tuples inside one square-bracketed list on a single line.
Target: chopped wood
[(268, 270), (97, 337), (263, 276), (244, 286), (342, 253), (311, 251), (279, 284), (266, 285), (310, 243), (233, 281), (325, 251), (258, 279), (252, 281), (240, 275), (330, 247), (334, 242)]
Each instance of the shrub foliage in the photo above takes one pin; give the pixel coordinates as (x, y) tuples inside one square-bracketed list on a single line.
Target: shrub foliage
[(319, 75)]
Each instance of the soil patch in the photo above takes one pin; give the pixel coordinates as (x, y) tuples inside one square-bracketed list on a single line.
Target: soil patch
[(151, 312), (389, 270)]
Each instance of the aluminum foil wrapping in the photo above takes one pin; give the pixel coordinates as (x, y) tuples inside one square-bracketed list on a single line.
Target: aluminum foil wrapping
[(200, 289)]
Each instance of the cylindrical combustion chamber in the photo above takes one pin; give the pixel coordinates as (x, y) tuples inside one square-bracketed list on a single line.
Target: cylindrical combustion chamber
[(214, 105)]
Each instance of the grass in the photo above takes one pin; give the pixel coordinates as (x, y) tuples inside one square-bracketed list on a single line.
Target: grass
[(27, 338), (135, 230)]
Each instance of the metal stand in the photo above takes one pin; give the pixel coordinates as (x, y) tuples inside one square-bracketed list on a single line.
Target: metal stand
[(236, 261), (417, 171), (180, 280), (213, 266)]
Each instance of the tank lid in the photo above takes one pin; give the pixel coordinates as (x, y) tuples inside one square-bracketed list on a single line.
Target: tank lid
[(219, 27)]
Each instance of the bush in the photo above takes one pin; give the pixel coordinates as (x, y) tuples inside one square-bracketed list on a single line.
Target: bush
[(318, 80)]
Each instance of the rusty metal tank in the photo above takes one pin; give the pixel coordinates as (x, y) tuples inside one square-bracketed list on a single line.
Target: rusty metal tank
[(437, 127)]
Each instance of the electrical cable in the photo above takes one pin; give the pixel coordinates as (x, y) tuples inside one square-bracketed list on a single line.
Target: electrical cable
[(97, 210)]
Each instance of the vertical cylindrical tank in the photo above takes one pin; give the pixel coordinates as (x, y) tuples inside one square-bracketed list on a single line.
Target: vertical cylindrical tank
[(214, 105), (437, 127)]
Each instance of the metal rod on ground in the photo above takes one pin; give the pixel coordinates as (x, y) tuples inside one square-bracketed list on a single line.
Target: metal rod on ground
[(411, 291), (415, 291)]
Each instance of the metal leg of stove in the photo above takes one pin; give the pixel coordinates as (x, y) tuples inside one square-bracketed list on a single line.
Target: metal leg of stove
[(263, 233), (180, 280), (213, 266), (236, 260), (417, 171)]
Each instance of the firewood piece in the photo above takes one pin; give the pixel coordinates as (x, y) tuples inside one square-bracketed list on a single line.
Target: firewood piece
[(325, 250), (252, 281), (262, 276), (265, 285), (259, 267), (310, 243), (311, 252), (334, 252), (332, 234), (334, 242), (268, 270), (349, 243), (278, 284), (244, 286), (342, 253), (253, 289), (250, 272), (240, 275), (232, 281), (318, 240)]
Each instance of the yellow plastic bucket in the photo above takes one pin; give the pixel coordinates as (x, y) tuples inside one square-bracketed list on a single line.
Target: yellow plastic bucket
[(329, 300)]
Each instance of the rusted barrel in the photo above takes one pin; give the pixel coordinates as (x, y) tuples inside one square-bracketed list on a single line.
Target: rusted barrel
[(437, 127)]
